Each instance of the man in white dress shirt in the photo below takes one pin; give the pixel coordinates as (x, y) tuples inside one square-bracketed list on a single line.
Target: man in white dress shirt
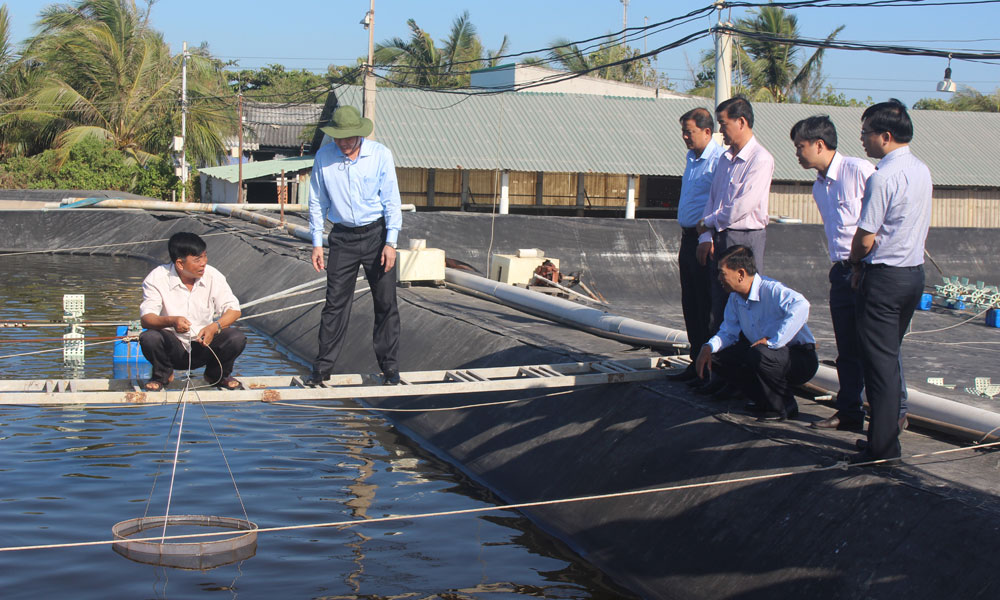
[(188, 309), (838, 189)]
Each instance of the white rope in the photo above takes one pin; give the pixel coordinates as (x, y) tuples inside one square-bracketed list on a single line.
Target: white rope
[(972, 318), (55, 349), (278, 310), (485, 509), (284, 293)]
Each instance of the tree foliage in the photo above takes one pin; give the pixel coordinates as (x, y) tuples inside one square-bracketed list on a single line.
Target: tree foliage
[(92, 164), (101, 72), (772, 71), (611, 60), (418, 61), (965, 98)]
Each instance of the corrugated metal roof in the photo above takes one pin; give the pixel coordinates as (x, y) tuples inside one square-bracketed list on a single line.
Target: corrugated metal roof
[(599, 134), (263, 168), (280, 125)]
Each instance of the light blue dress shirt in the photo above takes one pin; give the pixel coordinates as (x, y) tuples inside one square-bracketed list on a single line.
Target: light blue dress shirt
[(696, 183), (896, 207), (770, 311), (354, 192)]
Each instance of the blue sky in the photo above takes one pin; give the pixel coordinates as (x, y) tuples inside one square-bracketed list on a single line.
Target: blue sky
[(313, 33)]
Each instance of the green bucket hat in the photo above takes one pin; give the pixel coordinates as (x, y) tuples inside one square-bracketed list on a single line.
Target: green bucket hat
[(348, 122)]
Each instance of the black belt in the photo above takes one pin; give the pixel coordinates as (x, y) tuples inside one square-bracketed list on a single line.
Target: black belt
[(803, 347), (359, 228), (885, 266), (843, 263), (689, 230)]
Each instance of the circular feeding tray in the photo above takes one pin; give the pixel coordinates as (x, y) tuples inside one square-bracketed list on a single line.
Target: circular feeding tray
[(193, 553)]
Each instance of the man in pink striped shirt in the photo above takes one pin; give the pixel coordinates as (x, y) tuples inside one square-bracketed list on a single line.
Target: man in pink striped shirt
[(736, 211)]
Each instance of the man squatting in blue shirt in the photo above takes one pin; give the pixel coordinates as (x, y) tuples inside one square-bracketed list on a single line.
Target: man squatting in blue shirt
[(763, 345), (354, 186), (703, 154)]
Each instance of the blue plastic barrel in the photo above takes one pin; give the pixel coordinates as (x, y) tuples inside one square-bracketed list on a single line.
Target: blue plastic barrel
[(128, 361), (926, 301), (993, 317)]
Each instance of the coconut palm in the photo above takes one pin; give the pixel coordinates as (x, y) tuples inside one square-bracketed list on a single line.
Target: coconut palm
[(419, 61), (108, 75), (770, 69), (611, 60)]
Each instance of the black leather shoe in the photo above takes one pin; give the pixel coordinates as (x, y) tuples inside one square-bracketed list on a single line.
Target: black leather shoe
[(686, 375), (316, 379), (716, 385), (840, 424), (752, 406), (770, 417), (861, 444), (390, 377), (697, 382)]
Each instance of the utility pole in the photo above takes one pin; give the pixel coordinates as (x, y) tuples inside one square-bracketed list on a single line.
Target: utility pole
[(239, 111), (624, 19), (369, 91), (723, 60), (184, 110)]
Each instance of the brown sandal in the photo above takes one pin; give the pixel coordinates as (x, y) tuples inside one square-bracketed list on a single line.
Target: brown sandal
[(155, 385), (229, 383)]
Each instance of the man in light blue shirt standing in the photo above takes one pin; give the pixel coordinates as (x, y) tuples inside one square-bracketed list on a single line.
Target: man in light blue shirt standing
[(763, 345), (703, 154), (354, 186), (887, 254)]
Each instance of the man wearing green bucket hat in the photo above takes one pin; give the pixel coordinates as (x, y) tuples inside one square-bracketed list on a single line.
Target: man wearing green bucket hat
[(354, 187)]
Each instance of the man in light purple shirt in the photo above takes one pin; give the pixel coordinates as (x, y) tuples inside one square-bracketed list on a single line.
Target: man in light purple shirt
[(838, 189), (887, 254), (736, 211)]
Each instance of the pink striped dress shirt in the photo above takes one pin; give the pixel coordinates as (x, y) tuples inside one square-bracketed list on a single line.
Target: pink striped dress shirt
[(738, 198)]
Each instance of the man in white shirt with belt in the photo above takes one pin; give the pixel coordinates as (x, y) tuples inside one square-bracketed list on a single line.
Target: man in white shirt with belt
[(838, 189), (188, 310)]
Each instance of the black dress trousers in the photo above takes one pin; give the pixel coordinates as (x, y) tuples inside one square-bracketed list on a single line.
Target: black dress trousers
[(165, 352), (887, 297), (349, 249), (696, 291), (768, 375)]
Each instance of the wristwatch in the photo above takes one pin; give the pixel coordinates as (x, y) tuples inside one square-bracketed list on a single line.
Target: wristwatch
[(219, 325), (391, 245)]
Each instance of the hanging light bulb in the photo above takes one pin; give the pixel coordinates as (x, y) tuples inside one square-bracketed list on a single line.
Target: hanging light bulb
[(946, 84)]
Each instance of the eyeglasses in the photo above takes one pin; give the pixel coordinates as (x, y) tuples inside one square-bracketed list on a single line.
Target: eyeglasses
[(865, 132)]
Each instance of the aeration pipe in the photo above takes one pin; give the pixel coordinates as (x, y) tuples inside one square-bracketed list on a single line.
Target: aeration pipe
[(183, 206), (568, 311)]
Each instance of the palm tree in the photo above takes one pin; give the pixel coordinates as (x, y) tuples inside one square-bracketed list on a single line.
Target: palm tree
[(611, 60), (768, 69), (108, 75), (418, 61)]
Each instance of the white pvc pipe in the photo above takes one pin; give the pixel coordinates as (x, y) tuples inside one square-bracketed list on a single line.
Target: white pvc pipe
[(504, 193), (182, 206), (566, 310), (930, 407), (630, 199)]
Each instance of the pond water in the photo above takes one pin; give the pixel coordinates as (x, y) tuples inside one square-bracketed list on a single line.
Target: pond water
[(69, 474)]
